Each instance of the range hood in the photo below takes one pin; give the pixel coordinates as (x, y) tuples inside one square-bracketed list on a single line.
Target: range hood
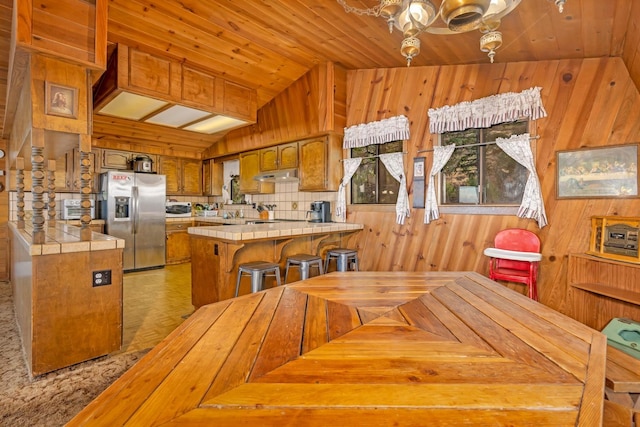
[(283, 175)]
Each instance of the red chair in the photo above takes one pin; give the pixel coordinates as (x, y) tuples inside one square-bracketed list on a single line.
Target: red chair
[(515, 258)]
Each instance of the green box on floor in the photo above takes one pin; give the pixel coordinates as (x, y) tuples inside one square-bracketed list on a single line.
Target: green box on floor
[(624, 334)]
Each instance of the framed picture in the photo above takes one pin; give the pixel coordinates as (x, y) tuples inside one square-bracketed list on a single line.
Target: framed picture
[(61, 100), (598, 172)]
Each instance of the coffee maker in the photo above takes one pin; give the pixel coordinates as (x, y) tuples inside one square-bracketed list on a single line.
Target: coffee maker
[(320, 212)]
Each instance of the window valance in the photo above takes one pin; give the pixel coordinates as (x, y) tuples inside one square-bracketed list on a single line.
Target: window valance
[(379, 132), (486, 112)]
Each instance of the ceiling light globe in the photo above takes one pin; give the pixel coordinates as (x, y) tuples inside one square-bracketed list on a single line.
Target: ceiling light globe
[(416, 16), (463, 15), (496, 6)]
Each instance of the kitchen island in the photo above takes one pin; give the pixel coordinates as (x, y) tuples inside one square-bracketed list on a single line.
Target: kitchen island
[(367, 349), (217, 251), (65, 316)]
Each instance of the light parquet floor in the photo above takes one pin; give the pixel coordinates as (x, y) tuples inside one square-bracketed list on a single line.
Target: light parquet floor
[(155, 302)]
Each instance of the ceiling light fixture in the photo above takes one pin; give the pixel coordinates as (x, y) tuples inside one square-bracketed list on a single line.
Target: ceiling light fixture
[(414, 17)]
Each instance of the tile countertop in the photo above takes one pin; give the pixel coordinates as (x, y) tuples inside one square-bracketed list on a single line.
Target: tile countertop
[(240, 233), (64, 238)]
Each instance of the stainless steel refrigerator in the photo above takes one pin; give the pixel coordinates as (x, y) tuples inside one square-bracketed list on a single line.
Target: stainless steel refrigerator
[(133, 207)]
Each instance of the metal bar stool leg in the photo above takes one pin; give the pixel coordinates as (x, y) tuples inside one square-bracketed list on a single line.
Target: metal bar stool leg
[(304, 270), (256, 281), (238, 282), (342, 263)]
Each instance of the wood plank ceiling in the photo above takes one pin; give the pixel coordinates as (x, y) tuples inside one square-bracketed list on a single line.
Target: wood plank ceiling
[(267, 45)]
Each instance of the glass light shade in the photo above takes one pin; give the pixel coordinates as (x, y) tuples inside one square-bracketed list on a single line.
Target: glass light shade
[(177, 116), (416, 16), (215, 124), (496, 6), (131, 106)]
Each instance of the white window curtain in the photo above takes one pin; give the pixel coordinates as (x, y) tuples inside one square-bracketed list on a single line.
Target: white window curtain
[(519, 149), (441, 155), (386, 130), (394, 164), (350, 166), (486, 112)]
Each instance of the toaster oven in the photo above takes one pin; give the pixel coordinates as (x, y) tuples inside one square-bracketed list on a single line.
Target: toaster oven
[(71, 209)]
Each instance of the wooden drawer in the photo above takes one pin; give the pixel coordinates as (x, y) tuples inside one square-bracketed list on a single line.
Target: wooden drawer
[(178, 226)]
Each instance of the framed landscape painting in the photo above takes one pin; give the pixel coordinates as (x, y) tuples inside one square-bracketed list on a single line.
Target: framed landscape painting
[(598, 172)]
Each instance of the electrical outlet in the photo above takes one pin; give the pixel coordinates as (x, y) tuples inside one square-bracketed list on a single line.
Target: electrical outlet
[(101, 278)]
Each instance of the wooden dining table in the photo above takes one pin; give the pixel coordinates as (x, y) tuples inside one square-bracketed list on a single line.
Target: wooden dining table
[(367, 349)]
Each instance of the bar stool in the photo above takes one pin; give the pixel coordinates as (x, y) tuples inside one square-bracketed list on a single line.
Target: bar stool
[(304, 262), (343, 257), (258, 270)]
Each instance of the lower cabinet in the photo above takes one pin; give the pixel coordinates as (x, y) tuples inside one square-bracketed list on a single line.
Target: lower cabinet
[(177, 245), (178, 249)]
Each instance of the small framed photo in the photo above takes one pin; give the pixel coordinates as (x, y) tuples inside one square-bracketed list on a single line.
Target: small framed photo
[(610, 171), (61, 100)]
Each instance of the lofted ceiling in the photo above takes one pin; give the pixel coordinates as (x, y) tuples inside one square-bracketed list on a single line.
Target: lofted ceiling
[(267, 45)]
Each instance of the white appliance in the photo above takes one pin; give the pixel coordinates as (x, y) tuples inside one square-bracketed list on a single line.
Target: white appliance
[(132, 205), (71, 209), (178, 209)]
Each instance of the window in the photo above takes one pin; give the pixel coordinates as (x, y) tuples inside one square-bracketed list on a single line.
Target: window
[(483, 174), (372, 183)]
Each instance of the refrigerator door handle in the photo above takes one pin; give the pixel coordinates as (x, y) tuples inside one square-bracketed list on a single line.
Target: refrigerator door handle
[(135, 209)]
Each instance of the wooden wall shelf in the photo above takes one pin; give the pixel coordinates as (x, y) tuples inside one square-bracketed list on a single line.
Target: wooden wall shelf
[(631, 297), (605, 289)]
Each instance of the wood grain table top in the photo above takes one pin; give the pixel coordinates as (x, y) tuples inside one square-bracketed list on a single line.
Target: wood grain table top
[(365, 349)]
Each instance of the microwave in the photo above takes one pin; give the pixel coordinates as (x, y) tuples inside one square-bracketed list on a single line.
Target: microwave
[(178, 209), (71, 209)]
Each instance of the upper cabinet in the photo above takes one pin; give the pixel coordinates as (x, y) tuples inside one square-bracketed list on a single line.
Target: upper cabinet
[(284, 156), (122, 160), (320, 168), (322, 91), (212, 173), (162, 85), (250, 167), (184, 176)]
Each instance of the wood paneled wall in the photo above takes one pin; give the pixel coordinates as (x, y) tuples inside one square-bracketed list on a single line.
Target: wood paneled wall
[(631, 49), (315, 104), (590, 103)]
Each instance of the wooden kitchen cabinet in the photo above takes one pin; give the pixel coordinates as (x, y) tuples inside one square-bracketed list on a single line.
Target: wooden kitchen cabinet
[(212, 173), (250, 167), (121, 160), (177, 245), (184, 176), (284, 156), (320, 168)]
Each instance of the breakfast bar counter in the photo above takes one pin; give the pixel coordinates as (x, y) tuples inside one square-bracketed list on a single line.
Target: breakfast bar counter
[(217, 251), (367, 348)]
